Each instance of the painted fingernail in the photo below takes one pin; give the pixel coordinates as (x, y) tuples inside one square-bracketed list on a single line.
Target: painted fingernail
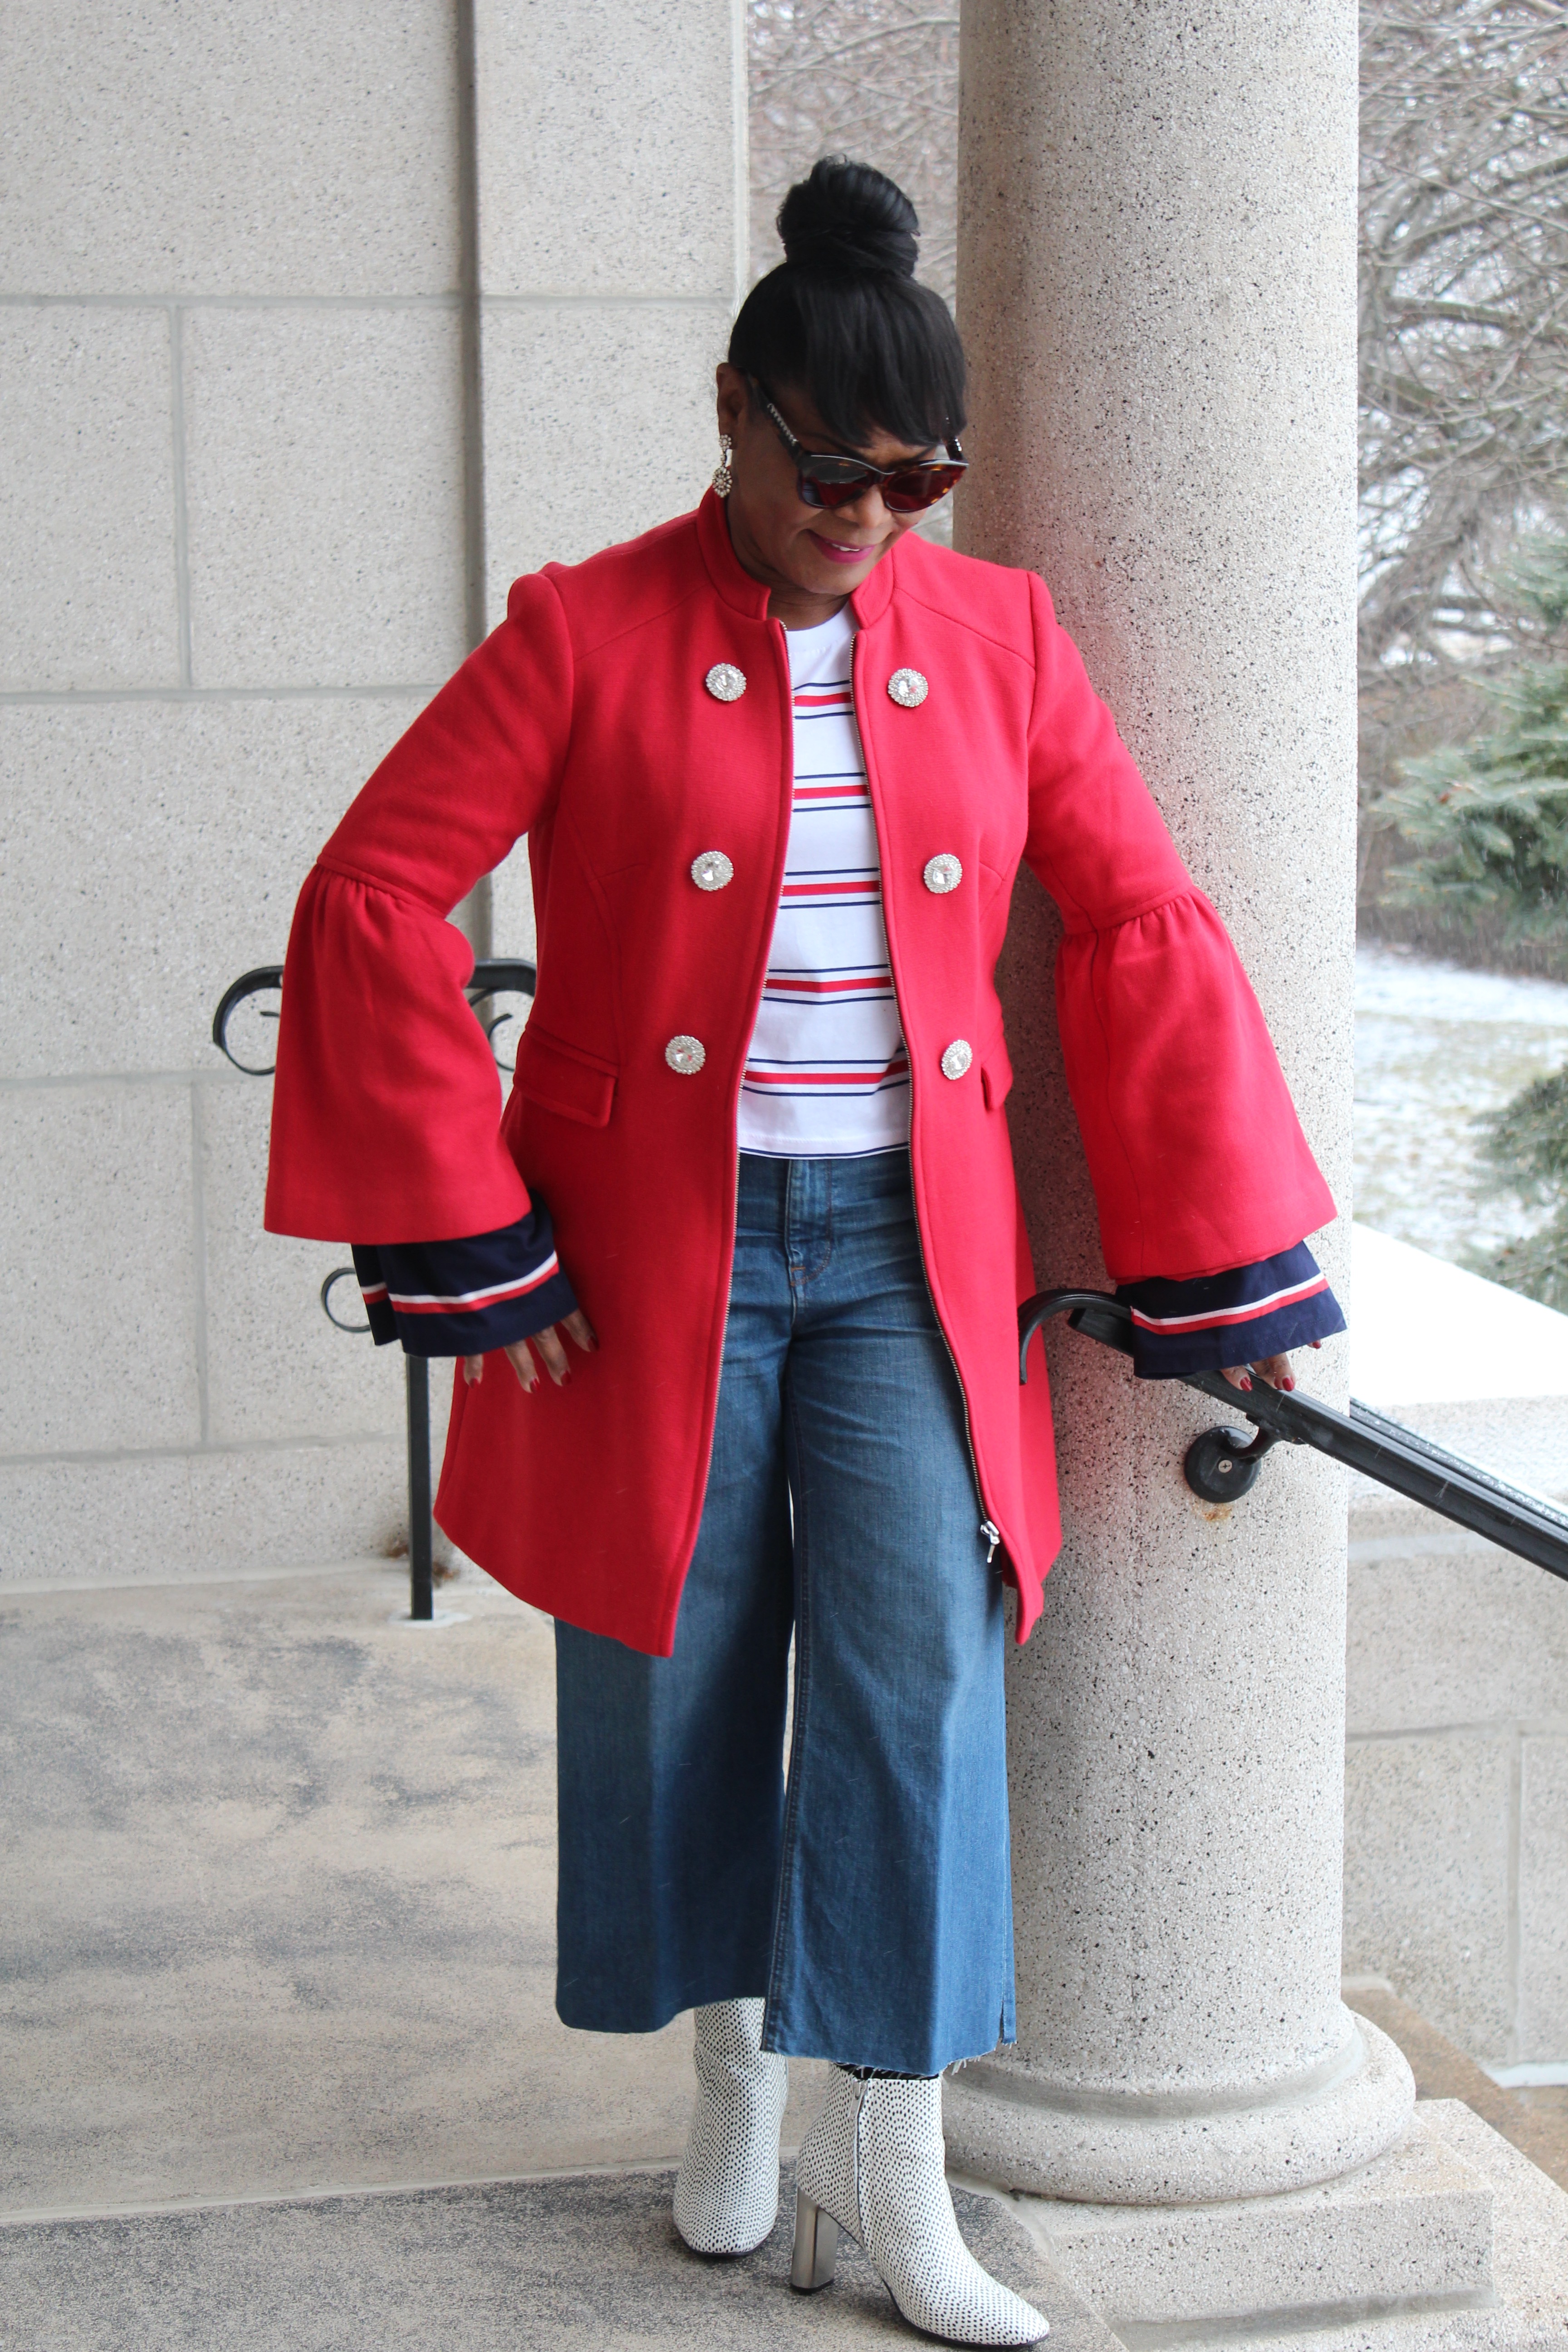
[(1245, 1384), (1286, 1384)]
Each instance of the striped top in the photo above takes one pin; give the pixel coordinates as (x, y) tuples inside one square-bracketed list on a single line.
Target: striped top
[(828, 1076)]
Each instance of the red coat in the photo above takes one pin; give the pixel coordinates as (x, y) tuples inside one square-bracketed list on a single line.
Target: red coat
[(584, 722)]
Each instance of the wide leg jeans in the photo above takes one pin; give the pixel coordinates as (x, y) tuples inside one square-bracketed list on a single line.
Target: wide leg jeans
[(868, 1899)]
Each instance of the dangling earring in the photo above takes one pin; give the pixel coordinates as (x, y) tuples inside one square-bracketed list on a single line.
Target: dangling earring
[(725, 472)]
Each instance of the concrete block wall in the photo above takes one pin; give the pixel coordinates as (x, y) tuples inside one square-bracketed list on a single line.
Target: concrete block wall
[(317, 326), (1456, 1776), (1456, 1702)]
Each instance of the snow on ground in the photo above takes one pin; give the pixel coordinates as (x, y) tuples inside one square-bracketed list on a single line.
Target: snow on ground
[(1435, 1044)]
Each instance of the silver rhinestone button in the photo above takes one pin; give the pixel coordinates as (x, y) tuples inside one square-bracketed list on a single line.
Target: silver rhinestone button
[(725, 683), (954, 1062), (687, 1055), (712, 870), (908, 688), (943, 874)]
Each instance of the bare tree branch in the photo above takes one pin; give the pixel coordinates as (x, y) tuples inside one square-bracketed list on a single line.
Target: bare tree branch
[(1464, 406), (1464, 290), (874, 78)]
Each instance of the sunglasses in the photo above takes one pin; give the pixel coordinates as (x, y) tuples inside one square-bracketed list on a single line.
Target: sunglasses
[(831, 481)]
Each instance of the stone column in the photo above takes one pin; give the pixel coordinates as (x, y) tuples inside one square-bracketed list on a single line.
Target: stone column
[(1157, 289)]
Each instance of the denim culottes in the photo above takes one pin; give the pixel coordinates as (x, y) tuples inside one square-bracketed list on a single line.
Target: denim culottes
[(868, 1897)]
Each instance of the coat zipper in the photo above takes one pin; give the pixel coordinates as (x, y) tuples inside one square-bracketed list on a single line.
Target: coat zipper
[(991, 1533)]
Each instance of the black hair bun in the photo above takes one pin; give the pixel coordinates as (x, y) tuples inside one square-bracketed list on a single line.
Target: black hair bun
[(850, 221)]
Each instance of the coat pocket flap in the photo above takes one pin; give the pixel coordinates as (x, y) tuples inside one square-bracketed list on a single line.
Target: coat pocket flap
[(561, 1078), (995, 1072)]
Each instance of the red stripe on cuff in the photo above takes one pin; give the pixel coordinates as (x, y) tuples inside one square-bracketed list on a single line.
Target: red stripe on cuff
[(474, 1302), (1223, 1318)]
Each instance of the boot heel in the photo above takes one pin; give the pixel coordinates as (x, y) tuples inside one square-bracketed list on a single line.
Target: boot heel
[(815, 2245)]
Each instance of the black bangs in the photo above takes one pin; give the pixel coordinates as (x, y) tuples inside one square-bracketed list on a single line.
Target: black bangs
[(872, 352), (843, 320)]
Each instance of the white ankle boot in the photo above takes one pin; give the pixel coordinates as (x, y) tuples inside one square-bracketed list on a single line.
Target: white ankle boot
[(872, 2163), (726, 2190)]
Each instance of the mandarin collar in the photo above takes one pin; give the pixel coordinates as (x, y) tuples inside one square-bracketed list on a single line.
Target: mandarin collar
[(871, 599), (745, 594), (729, 575)]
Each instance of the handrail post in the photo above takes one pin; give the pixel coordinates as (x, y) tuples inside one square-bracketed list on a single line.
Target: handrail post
[(421, 1577), (493, 976)]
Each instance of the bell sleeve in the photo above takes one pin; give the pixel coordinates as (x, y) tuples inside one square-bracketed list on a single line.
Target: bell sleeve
[(1197, 1158), (465, 1298), (1236, 1317), (386, 1104)]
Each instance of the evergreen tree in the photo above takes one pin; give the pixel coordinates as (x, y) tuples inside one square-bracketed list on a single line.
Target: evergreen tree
[(1488, 821), (1527, 1145), (1490, 818)]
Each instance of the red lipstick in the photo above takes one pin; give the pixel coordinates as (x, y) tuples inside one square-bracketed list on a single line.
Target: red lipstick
[(840, 555)]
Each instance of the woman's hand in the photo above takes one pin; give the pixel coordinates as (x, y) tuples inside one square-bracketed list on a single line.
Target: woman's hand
[(520, 1354), (1275, 1370)]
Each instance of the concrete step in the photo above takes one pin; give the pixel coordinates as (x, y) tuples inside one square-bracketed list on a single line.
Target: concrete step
[(584, 2264), (1410, 2233)]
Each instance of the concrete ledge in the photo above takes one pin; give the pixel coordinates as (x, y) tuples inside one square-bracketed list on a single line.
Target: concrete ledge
[(1356, 2266), (1414, 2228), (1444, 2072)]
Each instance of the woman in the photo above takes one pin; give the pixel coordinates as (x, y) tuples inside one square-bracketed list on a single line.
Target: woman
[(778, 762)]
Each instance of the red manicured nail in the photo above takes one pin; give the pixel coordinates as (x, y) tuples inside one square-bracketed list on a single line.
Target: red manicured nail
[(1246, 1384)]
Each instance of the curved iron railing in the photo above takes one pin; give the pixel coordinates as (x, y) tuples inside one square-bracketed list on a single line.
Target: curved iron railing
[(1222, 1464), (492, 977)]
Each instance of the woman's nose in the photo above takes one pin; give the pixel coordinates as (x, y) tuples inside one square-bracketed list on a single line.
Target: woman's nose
[(867, 513)]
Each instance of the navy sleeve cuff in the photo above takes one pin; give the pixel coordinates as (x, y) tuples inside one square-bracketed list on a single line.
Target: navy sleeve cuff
[(468, 1297), (1236, 1317)]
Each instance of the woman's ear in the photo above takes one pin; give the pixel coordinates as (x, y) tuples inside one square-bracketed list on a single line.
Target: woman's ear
[(732, 397)]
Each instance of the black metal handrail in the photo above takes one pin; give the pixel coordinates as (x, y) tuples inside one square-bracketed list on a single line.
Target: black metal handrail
[(1222, 1465), (493, 976)]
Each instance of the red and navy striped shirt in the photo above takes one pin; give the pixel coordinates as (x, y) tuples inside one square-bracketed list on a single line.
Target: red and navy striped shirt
[(828, 1075)]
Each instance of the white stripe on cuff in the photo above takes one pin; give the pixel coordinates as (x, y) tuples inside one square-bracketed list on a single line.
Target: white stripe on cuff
[(1219, 1315), (424, 1302)]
